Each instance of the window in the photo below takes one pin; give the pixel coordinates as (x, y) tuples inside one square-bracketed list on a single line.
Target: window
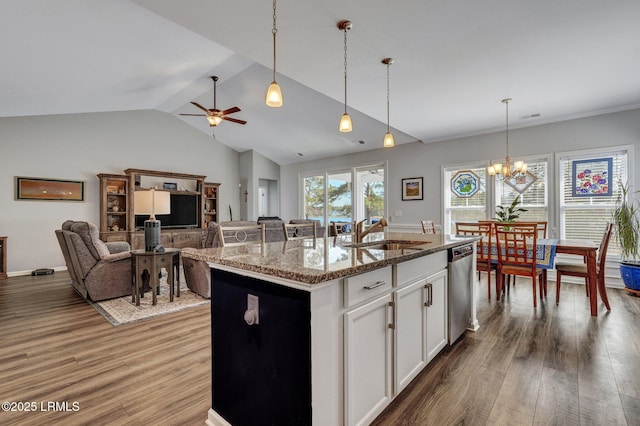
[(464, 209), (585, 217), (346, 195)]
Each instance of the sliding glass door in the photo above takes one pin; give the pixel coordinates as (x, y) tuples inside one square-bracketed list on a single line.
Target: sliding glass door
[(349, 195)]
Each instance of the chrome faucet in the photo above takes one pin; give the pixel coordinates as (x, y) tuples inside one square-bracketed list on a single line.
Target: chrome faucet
[(360, 233)]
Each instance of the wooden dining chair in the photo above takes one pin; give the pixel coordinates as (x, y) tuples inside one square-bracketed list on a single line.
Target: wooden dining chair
[(428, 227), (484, 263), (580, 270), (297, 231), (241, 235), (517, 255), (541, 227)]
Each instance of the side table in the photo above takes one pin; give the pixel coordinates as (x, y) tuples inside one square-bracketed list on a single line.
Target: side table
[(152, 263)]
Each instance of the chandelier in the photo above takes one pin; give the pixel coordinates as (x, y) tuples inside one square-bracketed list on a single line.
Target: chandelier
[(507, 170)]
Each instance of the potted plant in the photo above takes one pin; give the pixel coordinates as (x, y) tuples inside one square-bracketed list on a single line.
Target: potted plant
[(510, 213), (627, 231)]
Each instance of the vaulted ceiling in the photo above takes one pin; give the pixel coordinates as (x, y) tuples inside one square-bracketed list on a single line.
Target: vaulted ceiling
[(454, 62)]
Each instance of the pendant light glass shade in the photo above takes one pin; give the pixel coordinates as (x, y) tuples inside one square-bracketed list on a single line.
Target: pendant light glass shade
[(345, 121), (274, 94), (388, 141)]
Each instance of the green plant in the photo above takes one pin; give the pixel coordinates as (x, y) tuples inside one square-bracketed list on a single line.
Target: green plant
[(627, 225), (510, 213)]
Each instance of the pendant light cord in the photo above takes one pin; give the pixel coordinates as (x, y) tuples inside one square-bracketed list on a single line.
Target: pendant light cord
[(345, 69), (507, 126), (274, 31), (388, 63)]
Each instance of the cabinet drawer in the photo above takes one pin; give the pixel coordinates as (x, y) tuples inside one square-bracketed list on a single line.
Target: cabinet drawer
[(365, 286), (421, 267)]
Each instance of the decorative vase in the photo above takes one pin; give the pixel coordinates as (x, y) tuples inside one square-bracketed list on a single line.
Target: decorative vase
[(630, 272)]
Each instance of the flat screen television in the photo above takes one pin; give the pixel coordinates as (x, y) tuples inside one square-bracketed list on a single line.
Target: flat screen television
[(184, 213)]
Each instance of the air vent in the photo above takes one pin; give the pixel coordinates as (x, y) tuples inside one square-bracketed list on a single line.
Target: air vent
[(526, 117)]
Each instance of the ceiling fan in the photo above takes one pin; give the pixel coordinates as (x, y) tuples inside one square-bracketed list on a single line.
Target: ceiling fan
[(214, 115)]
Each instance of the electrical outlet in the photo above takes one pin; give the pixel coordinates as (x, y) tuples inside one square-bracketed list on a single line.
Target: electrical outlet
[(253, 304)]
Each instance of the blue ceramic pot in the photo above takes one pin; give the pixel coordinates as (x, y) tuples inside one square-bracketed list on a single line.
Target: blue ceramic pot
[(630, 272)]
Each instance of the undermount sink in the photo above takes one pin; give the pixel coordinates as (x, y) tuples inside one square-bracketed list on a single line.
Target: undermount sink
[(389, 245)]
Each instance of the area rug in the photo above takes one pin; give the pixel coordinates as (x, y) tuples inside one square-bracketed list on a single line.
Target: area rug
[(122, 311)]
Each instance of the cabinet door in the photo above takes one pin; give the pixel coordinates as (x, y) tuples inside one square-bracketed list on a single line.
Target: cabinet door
[(436, 314), (368, 360), (411, 332)]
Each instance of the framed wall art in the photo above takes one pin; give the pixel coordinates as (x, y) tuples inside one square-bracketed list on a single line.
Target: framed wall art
[(412, 189), (28, 188), (591, 178), (465, 184)]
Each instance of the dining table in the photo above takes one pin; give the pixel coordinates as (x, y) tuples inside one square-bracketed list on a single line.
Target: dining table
[(547, 249)]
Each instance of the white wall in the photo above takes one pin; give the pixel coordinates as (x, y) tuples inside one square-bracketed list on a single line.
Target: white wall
[(78, 147), (253, 167), (418, 159)]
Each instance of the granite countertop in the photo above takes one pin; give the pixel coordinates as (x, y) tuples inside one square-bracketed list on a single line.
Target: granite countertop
[(329, 258)]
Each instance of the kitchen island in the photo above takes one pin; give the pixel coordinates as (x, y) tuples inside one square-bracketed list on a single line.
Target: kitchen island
[(324, 331)]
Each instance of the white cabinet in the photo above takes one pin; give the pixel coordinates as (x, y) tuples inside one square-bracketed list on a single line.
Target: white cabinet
[(436, 338), (421, 325), (368, 360)]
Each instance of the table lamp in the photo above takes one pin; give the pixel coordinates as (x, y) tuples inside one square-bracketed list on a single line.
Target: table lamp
[(151, 202)]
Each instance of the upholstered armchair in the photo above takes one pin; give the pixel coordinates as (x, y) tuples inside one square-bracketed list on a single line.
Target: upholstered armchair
[(98, 270)]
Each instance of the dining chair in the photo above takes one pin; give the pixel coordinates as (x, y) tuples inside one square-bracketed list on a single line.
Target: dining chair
[(485, 262), (516, 247), (342, 228), (580, 270), (241, 235), (297, 231), (428, 227), (541, 227)]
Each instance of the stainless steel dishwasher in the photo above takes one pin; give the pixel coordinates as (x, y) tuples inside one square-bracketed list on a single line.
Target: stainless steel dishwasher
[(459, 295)]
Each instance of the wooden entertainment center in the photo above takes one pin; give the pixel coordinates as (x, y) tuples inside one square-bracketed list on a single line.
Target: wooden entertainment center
[(118, 220)]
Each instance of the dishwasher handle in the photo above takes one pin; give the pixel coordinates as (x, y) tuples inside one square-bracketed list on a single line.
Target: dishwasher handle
[(460, 252)]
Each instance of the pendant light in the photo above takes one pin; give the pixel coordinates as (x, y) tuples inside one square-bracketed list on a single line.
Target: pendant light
[(274, 94), (505, 170), (388, 141), (345, 122)]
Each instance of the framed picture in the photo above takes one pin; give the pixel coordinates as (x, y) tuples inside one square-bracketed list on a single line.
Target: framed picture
[(521, 182), (412, 189), (28, 188), (170, 186), (591, 178)]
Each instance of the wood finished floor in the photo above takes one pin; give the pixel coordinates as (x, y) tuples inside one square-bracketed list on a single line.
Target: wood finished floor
[(553, 365)]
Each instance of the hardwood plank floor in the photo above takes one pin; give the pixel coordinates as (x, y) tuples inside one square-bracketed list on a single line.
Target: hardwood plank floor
[(553, 365)]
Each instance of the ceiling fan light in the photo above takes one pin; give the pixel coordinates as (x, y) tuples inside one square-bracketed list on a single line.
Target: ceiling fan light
[(214, 120), (388, 141), (274, 95), (345, 123)]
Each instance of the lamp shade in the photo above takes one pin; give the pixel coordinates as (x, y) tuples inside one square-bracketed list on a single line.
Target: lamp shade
[(151, 202), (274, 95)]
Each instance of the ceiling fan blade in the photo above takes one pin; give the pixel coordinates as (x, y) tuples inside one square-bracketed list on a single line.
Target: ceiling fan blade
[(235, 120), (196, 115), (230, 110), (201, 107)]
